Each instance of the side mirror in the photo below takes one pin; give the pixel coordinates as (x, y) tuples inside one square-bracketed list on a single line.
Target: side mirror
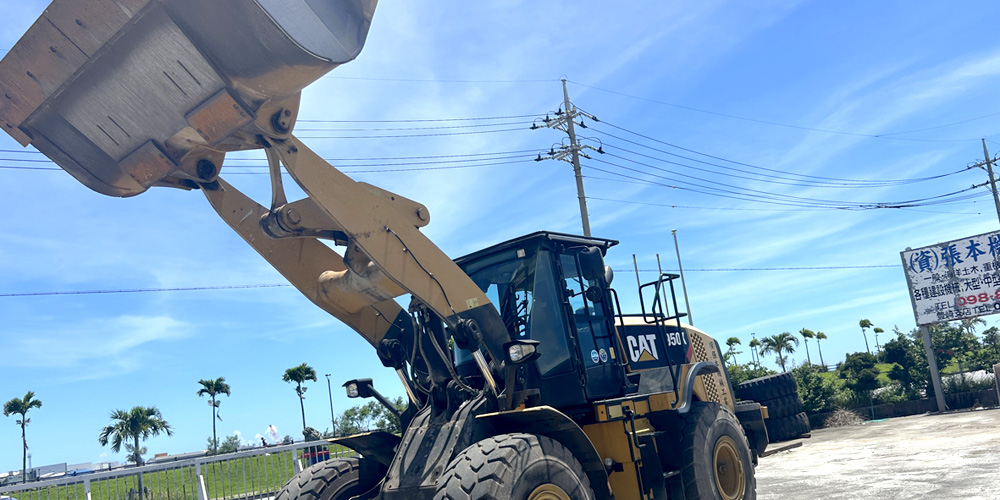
[(594, 294), (592, 263)]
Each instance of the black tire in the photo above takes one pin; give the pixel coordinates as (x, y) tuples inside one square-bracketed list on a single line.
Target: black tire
[(769, 387), (337, 479), (514, 466), (752, 421), (784, 429), (748, 411), (712, 443), (782, 407)]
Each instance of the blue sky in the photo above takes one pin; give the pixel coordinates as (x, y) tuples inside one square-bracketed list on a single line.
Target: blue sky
[(862, 91)]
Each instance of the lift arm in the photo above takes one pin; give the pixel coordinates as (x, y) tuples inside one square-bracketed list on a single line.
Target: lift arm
[(130, 94)]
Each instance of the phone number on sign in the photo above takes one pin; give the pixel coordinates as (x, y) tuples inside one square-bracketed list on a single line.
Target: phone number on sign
[(969, 300)]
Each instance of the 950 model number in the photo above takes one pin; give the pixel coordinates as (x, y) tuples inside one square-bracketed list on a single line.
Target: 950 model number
[(680, 338)]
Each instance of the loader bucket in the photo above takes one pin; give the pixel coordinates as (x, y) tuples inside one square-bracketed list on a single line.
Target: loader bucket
[(128, 94)]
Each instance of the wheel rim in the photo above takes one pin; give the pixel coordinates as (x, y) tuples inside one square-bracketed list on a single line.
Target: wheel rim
[(730, 478), (548, 492)]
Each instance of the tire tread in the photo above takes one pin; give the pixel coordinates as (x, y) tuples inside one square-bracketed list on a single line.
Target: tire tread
[(783, 406), (699, 420), (313, 482), (787, 428), (769, 387), (482, 471)]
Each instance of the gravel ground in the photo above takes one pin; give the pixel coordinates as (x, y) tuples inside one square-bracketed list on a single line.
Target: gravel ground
[(935, 456)]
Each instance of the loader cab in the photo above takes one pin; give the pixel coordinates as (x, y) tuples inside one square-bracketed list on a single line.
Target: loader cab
[(552, 288)]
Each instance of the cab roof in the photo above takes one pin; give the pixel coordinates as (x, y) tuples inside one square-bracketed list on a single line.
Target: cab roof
[(540, 239)]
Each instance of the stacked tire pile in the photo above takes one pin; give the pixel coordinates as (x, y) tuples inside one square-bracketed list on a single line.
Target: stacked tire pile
[(780, 395)]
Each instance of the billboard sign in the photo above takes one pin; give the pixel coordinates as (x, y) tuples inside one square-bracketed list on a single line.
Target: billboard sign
[(954, 280)]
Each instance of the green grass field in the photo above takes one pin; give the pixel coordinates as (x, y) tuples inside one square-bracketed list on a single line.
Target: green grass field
[(244, 477)]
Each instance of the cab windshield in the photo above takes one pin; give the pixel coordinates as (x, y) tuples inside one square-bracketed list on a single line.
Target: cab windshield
[(523, 287)]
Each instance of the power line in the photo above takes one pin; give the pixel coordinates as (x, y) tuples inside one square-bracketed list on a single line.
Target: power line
[(434, 80), (769, 122), (430, 162), (422, 120), (667, 205), (778, 195), (941, 126), (776, 171), (742, 269), (417, 157), (738, 209), (440, 127), (780, 199), (142, 290), (281, 285), (415, 135), (450, 167), (462, 163), (789, 179), (386, 170)]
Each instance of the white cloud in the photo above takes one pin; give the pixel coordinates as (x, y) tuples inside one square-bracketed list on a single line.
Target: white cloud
[(94, 347)]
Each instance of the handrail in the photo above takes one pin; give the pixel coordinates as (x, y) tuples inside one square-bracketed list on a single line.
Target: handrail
[(160, 467)]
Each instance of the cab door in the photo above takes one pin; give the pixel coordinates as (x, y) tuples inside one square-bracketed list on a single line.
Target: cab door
[(591, 325)]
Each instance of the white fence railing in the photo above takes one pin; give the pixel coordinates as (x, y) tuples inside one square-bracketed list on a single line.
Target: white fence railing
[(256, 473)]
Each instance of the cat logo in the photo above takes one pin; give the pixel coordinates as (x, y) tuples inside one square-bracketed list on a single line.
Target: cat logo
[(642, 347)]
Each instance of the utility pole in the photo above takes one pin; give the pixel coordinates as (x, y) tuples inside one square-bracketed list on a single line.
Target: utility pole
[(333, 420), (932, 364), (993, 181), (570, 153), (684, 287)]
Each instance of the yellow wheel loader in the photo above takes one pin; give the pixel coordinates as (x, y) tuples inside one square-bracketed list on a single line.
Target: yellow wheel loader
[(524, 377)]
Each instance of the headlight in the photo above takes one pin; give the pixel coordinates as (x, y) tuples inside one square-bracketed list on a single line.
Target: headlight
[(520, 351)]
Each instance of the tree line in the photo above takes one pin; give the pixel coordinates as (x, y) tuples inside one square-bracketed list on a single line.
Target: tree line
[(895, 370), (130, 428)]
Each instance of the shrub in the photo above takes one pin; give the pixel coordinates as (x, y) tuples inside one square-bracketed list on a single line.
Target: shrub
[(816, 392), (843, 418), (860, 373), (968, 382)]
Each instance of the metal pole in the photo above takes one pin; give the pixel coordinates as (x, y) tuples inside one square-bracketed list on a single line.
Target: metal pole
[(333, 420), (683, 284), (574, 147), (993, 181), (932, 363), (635, 264)]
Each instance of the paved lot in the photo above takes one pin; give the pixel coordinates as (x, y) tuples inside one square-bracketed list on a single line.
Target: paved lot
[(949, 457)]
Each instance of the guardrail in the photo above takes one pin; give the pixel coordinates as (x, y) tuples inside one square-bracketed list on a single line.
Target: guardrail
[(252, 474)]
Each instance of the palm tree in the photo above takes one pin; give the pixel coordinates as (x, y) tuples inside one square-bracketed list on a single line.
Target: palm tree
[(865, 324), (991, 337), (732, 342), (300, 374), (877, 331), (970, 324), (820, 336), (782, 342), (806, 335), (138, 424), (214, 388), (21, 407), (755, 351)]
